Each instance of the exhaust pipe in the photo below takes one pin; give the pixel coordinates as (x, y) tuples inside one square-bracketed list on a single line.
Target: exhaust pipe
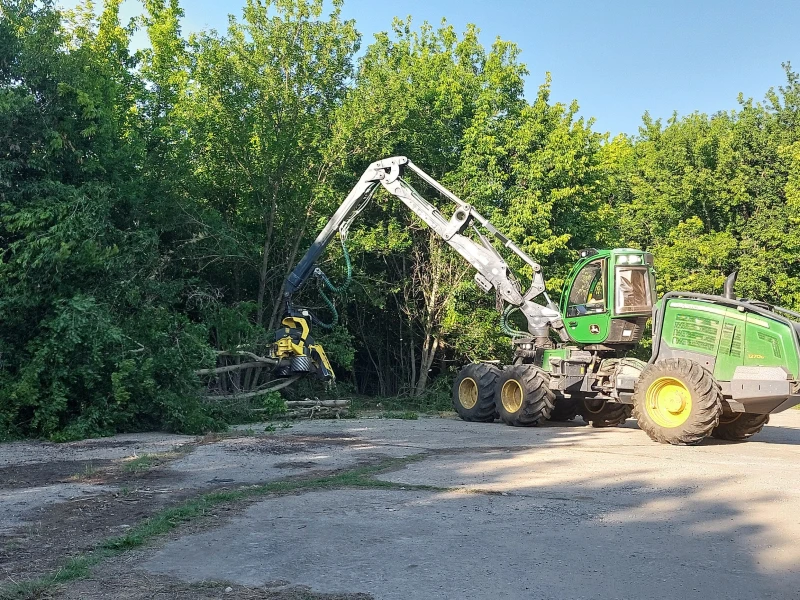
[(729, 283)]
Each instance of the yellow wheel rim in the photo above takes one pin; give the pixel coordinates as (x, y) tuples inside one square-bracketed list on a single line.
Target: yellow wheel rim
[(468, 393), (668, 402), (511, 395)]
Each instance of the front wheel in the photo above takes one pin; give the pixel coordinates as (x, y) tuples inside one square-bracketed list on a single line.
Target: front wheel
[(676, 401), (523, 396)]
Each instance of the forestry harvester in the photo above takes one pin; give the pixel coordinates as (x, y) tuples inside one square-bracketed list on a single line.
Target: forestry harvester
[(719, 365)]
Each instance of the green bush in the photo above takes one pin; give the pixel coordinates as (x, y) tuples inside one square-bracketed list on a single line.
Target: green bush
[(87, 374), (273, 404)]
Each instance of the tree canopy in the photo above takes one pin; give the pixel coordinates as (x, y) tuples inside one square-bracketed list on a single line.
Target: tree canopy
[(152, 201)]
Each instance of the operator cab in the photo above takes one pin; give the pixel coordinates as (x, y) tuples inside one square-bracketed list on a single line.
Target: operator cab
[(609, 296), (588, 292)]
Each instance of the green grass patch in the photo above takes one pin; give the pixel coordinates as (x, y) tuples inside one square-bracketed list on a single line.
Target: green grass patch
[(75, 568), (138, 464), (171, 518), (146, 462), (406, 415)]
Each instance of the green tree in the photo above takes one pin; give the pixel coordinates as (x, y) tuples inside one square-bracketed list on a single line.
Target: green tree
[(85, 322), (258, 112)]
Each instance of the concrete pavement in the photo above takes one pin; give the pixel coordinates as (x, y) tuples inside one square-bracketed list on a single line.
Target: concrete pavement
[(559, 511)]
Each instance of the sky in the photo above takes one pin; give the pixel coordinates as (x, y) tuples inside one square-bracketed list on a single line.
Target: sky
[(617, 58)]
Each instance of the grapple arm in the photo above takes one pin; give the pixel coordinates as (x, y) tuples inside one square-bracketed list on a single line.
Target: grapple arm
[(492, 269)]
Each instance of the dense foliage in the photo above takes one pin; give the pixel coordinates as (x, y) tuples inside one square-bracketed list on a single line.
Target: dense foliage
[(152, 201)]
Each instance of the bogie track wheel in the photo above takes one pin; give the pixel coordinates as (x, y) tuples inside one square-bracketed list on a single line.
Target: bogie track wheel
[(739, 426), (473, 392), (523, 396), (676, 401)]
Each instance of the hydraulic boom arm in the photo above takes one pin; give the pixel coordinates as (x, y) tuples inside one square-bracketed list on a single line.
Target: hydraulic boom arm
[(492, 270)]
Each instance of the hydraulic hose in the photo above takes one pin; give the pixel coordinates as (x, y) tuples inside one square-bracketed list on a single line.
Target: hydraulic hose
[(324, 282), (323, 279), (334, 313), (505, 323)]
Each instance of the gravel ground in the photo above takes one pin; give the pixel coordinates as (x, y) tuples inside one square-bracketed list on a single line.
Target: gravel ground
[(117, 447)]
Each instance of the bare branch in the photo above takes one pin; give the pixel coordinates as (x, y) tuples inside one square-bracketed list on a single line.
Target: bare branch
[(261, 359), (230, 368), (285, 383)]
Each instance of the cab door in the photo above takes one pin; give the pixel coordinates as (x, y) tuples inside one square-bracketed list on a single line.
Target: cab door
[(587, 316)]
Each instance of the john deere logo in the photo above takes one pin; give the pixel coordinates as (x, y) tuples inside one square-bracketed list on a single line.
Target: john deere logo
[(594, 329)]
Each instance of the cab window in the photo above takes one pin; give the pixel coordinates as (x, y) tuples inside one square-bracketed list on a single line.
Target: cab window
[(634, 290), (588, 293)]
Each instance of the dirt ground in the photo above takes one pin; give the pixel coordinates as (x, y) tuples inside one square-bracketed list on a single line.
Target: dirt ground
[(466, 510)]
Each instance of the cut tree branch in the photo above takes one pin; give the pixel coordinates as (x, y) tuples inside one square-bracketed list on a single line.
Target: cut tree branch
[(274, 388), (229, 368)]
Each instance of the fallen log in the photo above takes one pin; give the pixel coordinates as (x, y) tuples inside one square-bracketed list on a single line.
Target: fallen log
[(321, 411), (321, 403), (297, 409)]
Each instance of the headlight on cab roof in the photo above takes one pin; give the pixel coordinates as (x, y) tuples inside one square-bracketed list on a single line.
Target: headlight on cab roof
[(629, 259)]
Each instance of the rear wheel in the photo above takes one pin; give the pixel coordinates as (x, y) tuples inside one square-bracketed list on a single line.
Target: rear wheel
[(600, 413), (676, 401), (473, 392), (565, 409), (523, 396), (739, 426)]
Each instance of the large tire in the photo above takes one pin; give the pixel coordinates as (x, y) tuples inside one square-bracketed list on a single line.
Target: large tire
[(739, 426), (566, 409), (473, 392), (676, 401), (523, 396), (599, 413)]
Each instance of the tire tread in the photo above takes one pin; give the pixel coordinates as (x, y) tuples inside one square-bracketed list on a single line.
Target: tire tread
[(538, 399), (485, 376), (613, 414), (744, 427)]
